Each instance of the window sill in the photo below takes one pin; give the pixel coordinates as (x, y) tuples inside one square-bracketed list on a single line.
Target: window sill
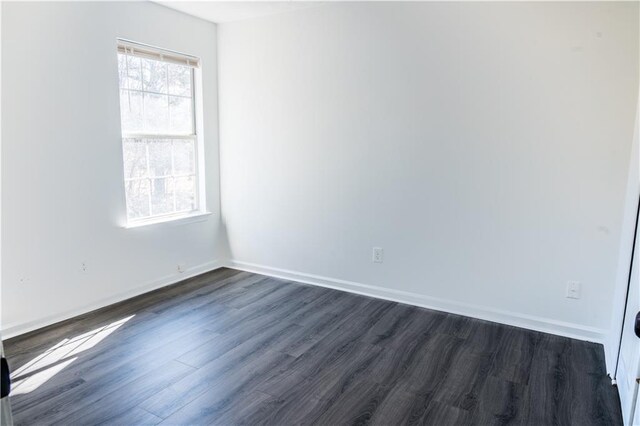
[(171, 220)]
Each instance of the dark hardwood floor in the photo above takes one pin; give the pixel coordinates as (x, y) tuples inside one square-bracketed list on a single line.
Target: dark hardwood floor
[(232, 347)]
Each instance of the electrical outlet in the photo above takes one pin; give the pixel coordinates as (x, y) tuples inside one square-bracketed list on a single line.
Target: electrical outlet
[(378, 255), (83, 267), (181, 267), (573, 290)]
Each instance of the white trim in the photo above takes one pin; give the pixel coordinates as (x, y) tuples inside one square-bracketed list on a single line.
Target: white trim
[(16, 329), (546, 325), (171, 220)]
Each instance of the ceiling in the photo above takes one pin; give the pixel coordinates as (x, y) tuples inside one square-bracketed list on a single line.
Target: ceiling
[(227, 11)]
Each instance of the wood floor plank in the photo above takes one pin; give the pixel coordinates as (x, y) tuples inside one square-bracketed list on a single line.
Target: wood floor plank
[(126, 397), (206, 410), (464, 380), (401, 408), (213, 389), (355, 407), (231, 347), (428, 372), (275, 306), (199, 296), (437, 413), (135, 416), (239, 409), (514, 355), (506, 405), (391, 323), (335, 379)]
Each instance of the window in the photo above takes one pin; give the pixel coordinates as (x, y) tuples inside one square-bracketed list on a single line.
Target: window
[(159, 140)]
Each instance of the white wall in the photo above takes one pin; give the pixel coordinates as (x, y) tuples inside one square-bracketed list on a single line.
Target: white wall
[(62, 190), (484, 146)]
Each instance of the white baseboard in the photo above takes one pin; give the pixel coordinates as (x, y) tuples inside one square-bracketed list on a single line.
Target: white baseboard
[(546, 325), (531, 322), (16, 329)]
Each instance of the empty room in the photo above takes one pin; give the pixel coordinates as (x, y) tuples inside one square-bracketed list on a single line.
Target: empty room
[(319, 213)]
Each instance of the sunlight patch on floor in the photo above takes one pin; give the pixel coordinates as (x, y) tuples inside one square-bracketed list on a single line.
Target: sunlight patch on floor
[(33, 374), (36, 380)]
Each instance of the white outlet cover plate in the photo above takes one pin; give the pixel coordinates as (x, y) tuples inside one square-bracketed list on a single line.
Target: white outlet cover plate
[(378, 255), (573, 290)]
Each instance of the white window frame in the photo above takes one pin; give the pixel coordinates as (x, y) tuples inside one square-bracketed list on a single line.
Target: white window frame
[(198, 214)]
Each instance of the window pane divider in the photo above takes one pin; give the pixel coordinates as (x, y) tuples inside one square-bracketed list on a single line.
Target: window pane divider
[(151, 92), (157, 136), (185, 175)]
